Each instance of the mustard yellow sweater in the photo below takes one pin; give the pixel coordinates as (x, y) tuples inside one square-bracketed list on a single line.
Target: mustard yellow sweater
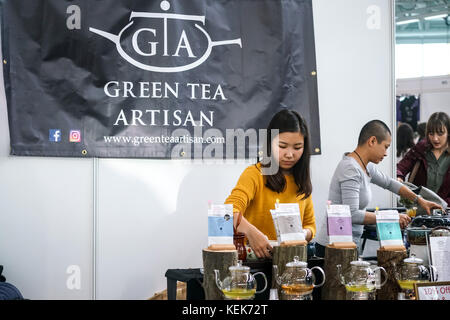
[(251, 197)]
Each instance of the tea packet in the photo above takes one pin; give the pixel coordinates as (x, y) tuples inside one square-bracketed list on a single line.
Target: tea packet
[(275, 223), (220, 224), (339, 223), (287, 222), (388, 228)]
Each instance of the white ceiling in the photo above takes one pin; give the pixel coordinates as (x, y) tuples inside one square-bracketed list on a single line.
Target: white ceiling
[(423, 31)]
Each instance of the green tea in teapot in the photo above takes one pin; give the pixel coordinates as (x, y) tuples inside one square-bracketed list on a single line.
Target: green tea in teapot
[(238, 293)]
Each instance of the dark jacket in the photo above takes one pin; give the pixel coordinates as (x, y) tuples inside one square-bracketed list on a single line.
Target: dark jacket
[(417, 153)]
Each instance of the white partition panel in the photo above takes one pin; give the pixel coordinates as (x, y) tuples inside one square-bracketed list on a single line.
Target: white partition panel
[(355, 84), (152, 216), (45, 226), (46, 210)]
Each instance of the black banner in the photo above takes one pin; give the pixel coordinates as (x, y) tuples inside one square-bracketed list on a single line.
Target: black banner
[(159, 79)]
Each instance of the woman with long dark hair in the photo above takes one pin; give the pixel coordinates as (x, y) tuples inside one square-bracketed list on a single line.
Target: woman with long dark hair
[(405, 140), (256, 192), (428, 162)]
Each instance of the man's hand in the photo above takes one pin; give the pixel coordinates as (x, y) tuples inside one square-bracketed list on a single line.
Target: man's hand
[(428, 205)]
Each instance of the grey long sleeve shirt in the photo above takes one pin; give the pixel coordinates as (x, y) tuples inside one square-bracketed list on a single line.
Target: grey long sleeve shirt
[(350, 185)]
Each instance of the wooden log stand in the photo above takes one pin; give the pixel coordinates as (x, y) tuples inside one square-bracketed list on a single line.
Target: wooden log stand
[(285, 253), (388, 258), (220, 259), (336, 254)]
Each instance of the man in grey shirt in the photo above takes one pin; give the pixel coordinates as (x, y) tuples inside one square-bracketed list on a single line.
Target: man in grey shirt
[(350, 183)]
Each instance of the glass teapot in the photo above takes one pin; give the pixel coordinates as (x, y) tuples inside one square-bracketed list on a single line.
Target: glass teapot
[(241, 285), (297, 281), (360, 280), (413, 271)]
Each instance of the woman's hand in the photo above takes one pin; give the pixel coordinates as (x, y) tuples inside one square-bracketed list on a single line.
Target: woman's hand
[(428, 205), (308, 234), (259, 243), (258, 240), (404, 220)]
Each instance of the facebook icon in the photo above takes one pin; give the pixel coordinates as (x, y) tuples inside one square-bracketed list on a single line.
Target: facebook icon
[(54, 135)]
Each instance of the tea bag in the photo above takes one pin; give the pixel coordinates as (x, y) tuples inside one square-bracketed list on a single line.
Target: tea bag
[(275, 223), (220, 224), (286, 218), (339, 223), (388, 228)]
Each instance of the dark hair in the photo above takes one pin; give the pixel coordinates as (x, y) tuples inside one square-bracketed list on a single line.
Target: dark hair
[(405, 138), (437, 122), (376, 128), (290, 121), (421, 127)]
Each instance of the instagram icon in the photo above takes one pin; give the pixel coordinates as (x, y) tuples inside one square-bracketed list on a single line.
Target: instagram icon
[(75, 136)]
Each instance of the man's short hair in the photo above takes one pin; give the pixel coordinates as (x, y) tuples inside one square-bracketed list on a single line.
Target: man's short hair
[(375, 128)]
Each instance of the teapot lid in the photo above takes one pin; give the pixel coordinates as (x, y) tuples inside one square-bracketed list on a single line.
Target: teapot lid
[(239, 267), (297, 263), (360, 263), (413, 259)]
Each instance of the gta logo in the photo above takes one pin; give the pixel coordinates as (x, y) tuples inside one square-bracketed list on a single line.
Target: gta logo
[(150, 48)]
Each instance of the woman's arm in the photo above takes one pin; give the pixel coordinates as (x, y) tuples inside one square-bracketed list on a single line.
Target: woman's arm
[(258, 240), (371, 218), (404, 220), (240, 197), (405, 192), (396, 187), (350, 195)]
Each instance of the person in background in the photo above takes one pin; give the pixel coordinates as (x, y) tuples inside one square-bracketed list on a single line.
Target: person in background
[(428, 162), (405, 140), (350, 184), (255, 193), (420, 131)]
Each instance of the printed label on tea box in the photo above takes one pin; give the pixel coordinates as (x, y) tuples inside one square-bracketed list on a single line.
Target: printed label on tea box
[(389, 231), (339, 223), (341, 226), (220, 227), (388, 228), (220, 224), (287, 222)]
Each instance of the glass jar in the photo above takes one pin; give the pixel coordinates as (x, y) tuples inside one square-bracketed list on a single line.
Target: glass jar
[(360, 280), (298, 281), (412, 271), (239, 243), (241, 284)]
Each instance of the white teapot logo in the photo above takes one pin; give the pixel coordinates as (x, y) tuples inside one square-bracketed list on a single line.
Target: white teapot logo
[(182, 44)]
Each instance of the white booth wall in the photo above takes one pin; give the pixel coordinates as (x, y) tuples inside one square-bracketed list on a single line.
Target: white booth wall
[(110, 228)]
